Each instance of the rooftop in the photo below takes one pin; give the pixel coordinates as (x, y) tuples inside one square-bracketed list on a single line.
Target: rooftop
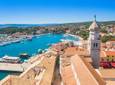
[(70, 61), (108, 75), (39, 72), (85, 72), (65, 66), (110, 53)]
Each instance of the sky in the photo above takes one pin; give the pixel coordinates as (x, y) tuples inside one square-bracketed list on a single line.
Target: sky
[(55, 11)]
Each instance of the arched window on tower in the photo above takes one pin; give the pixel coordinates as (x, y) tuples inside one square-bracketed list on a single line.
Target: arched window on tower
[(96, 44)]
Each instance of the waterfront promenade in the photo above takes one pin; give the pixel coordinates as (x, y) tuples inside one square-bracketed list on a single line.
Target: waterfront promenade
[(14, 67)]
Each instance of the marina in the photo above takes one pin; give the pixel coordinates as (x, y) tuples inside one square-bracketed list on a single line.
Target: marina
[(37, 45), (30, 47)]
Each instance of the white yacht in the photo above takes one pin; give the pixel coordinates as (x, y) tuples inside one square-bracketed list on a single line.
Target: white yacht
[(10, 59)]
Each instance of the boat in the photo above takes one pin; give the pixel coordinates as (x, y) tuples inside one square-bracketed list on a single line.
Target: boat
[(29, 37), (24, 55), (26, 61), (16, 41), (34, 54), (10, 59), (22, 42), (4, 43), (39, 51), (43, 51), (65, 35), (48, 44)]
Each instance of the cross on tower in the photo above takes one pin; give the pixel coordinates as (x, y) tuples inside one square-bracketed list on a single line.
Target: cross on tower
[(95, 17)]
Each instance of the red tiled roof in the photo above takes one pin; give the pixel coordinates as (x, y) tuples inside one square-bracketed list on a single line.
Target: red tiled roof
[(113, 64), (112, 41), (110, 53)]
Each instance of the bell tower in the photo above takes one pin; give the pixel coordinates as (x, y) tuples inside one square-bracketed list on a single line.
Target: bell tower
[(94, 43)]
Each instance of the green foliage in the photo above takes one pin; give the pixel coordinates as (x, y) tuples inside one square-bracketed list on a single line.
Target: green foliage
[(11, 30), (84, 34), (107, 38), (74, 28), (103, 30)]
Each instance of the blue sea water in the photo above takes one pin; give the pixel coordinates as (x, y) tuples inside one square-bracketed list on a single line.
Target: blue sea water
[(30, 47)]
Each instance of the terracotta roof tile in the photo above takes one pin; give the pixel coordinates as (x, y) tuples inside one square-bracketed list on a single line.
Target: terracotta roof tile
[(110, 53)]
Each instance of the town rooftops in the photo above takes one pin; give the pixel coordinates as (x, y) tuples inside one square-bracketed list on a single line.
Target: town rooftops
[(110, 53), (108, 75), (70, 51), (84, 73), (67, 76), (38, 73), (75, 71), (65, 66)]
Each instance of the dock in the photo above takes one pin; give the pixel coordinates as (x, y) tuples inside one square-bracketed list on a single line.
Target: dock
[(14, 67)]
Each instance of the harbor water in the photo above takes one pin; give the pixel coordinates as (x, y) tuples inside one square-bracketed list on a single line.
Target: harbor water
[(31, 46)]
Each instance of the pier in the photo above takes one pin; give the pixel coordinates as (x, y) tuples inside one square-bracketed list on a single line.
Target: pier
[(14, 67)]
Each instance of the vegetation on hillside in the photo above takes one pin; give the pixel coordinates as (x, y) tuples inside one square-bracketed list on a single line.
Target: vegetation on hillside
[(80, 29)]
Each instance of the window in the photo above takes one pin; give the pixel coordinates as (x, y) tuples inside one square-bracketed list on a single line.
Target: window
[(95, 45)]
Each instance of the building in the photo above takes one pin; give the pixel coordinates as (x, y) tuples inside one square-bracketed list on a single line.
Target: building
[(94, 43), (76, 69)]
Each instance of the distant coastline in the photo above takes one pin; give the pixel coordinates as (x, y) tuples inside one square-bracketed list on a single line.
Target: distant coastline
[(50, 24), (24, 25)]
